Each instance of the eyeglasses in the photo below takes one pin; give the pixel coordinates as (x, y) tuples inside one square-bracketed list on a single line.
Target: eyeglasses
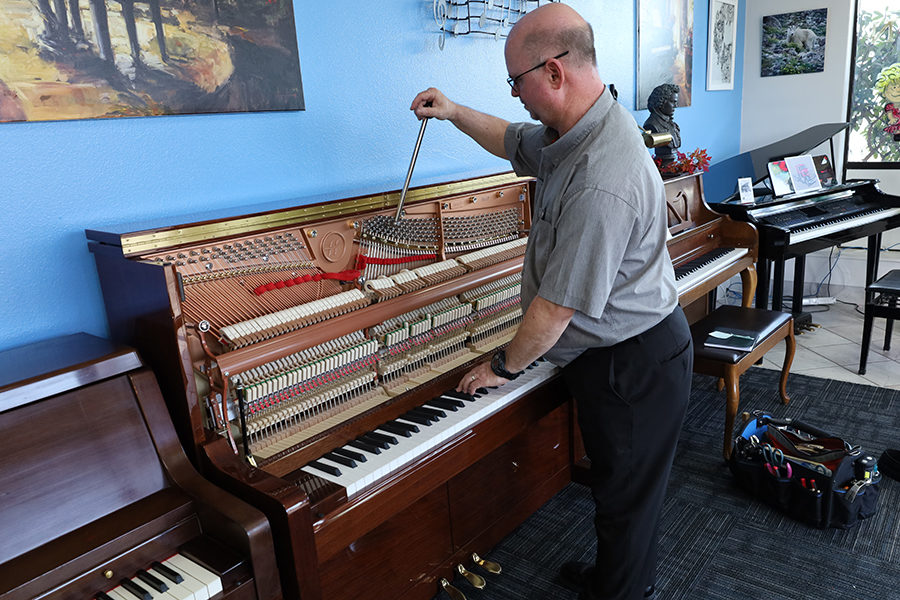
[(514, 81)]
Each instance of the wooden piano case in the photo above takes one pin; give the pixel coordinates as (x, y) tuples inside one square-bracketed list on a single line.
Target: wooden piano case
[(398, 536), (96, 486)]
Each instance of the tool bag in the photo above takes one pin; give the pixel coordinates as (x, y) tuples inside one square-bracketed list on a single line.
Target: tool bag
[(813, 476)]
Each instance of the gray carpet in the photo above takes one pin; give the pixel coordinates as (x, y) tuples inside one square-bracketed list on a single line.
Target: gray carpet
[(716, 542)]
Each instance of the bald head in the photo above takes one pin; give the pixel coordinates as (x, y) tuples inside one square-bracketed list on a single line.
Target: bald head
[(551, 29)]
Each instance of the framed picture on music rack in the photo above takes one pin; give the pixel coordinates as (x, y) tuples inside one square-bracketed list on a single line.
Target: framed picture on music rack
[(86, 59), (873, 139)]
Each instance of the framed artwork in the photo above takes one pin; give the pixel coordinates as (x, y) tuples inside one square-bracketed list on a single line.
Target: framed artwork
[(665, 48), (873, 139), (720, 46), (83, 59), (794, 43)]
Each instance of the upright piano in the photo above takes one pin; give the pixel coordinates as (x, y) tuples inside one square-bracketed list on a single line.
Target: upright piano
[(98, 498), (309, 354), (793, 225)]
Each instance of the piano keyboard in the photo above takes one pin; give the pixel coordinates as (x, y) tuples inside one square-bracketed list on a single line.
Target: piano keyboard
[(375, 455), (177, 578), (801, 234), (708, 265)]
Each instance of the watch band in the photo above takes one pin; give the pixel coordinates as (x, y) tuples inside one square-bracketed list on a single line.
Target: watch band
[(498, 366)]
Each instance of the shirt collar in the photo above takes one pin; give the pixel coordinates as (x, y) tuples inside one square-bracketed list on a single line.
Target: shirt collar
[(556, 151)]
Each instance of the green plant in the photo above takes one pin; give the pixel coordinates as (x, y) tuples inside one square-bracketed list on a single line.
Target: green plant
[(877, 46)]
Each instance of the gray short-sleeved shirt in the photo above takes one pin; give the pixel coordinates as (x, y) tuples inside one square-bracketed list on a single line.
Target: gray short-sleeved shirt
[(598, 234)]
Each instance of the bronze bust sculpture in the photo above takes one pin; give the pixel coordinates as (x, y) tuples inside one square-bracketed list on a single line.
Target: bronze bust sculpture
[(661, 103)]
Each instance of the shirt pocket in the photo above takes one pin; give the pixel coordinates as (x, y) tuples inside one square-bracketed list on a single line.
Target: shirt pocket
[(541, 241)]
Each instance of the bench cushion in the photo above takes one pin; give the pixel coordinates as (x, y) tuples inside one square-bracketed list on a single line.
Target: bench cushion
[(888, 284), (763, 322)]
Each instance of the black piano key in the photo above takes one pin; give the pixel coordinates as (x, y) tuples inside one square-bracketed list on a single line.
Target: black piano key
[(357, 456), (434, 412), (154, 582), (102, 596), (166, 572), (381, 439), (481, 391), (421, 419), (446, 403), (135, 590), (399, 428), (341, 460), (326, 468), (366, 446)]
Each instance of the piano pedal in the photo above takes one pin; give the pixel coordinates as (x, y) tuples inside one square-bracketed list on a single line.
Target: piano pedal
[(475, 579), (488, 565), (803, 322), (454, 593)]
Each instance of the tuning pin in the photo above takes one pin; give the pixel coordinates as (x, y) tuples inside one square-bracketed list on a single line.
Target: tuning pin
[(454, 593), (488, 565), (473, 578)]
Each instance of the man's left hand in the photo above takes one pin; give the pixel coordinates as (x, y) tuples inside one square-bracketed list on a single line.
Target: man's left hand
[(480, 376)]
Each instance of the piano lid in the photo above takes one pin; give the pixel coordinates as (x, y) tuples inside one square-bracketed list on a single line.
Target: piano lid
[(799, 143), (65, 363), (720, 182)]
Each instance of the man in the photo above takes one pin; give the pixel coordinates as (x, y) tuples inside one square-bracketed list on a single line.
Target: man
[(598, 287)]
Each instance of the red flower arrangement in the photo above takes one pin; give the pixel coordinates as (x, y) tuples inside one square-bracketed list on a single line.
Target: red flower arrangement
[(684, 164)]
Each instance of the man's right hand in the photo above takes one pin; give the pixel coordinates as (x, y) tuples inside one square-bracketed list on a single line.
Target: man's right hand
[(485, 129), (440, 107)]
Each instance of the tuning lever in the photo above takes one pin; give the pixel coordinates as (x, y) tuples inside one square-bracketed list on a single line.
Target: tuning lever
[(488, 565), (474, 578), (454, 593)]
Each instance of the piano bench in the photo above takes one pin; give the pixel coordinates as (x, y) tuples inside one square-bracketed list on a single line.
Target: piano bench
[(728, 365), (881, 301)]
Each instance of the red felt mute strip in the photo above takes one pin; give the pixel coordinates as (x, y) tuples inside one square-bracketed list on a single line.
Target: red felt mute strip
[(277, 285)]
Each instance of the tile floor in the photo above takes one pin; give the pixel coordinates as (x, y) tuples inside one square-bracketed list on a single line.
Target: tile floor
[(832, 350)]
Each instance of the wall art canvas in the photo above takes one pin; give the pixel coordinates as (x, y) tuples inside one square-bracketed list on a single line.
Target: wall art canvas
[(873, 141), (81, 59), (794, 43), (721, 44), (665, 48)]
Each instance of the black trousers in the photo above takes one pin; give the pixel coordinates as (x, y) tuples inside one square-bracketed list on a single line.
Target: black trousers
[(631, 401)]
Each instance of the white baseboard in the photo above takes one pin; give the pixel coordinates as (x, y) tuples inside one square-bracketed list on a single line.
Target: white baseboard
[(847, 266), (848, 274)]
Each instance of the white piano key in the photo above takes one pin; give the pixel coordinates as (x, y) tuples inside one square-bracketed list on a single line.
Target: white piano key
[(153, 593), (119, 593), (182, 591), (197, 588), (709, 270), (407, 450), (211, 582), (834, 227)]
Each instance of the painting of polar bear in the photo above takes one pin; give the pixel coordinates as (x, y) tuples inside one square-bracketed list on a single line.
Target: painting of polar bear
[(794, 43)]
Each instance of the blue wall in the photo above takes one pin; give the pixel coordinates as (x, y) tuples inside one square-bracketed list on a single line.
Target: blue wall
[(362, 63)]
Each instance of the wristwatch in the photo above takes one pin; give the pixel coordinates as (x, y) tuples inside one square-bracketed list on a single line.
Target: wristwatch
[(498, 366)]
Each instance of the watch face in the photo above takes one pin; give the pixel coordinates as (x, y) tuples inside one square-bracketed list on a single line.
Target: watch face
[(497, 363)]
